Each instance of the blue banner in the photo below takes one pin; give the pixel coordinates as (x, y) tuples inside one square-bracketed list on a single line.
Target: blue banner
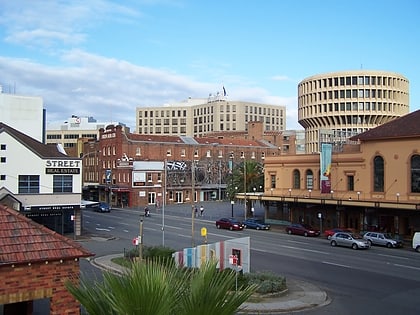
[(325, 160)]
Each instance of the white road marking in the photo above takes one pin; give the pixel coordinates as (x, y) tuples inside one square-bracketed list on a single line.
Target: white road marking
[(392, 256), (306, 250), (335, 264), (405, 266), (103, 229)]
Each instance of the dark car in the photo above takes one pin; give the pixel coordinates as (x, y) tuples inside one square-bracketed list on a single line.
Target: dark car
[(102, 207), (302, 229), (256, 224), (382, 239), (229, 223)]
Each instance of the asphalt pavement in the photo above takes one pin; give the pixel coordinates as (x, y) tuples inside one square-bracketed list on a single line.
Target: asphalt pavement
[(300, 295)]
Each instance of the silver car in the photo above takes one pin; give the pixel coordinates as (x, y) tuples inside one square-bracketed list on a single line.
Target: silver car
[(349, 240), (382, 239)]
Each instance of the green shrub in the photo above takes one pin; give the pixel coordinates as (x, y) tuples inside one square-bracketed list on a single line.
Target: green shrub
[(267, 282)]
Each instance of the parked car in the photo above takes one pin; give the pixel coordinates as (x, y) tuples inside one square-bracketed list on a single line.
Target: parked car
[(256, 224), (349, 240), (331, 232), (416, 242), (382, 239), (229, 223), (102, 207), (302, 229)]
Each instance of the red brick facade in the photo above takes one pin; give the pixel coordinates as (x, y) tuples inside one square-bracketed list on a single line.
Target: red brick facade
[(25, 283)]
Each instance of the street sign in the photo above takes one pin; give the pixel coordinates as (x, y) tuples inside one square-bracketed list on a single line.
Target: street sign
[(135, 241)]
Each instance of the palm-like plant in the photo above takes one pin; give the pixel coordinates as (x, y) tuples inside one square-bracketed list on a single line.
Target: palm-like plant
[(244, 178), (158, 288)]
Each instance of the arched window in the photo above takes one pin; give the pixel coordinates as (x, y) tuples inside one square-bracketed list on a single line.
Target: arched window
[(415, 174), (309, 179), (296, 179), (378, 174)]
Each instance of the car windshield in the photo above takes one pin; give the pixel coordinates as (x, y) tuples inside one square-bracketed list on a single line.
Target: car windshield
[(356, 236)]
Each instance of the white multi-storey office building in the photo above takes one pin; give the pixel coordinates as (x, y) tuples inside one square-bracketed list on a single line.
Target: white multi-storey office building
[(198, 117), (335, 106), (66, 133), (24, 113)]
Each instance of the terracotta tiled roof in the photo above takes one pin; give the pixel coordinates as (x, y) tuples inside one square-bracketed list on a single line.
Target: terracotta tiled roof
[(39, 148), (407, 126), (23, 240)]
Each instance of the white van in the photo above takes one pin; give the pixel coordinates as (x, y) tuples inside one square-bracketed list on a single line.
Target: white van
[(416, 241)]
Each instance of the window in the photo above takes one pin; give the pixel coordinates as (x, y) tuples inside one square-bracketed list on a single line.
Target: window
[(350, 182), (28, 184), (309, 179), (3, 159), (273, 181), (2, 177), (63, 184), (415, 174), (378, 174), (182, 152), (149, 177), (138, 151), (296, 179), (2, 147)]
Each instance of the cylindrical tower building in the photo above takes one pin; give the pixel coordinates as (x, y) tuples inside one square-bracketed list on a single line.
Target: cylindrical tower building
[(334, 106)]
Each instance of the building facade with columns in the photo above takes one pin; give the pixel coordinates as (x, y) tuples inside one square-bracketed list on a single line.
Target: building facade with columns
[(335, 106), (374, 182)]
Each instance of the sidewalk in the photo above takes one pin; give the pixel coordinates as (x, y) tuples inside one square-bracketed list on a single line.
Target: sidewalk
[(299, 296)]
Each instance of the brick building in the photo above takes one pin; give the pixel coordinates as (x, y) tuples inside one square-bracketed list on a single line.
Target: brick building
[(135, 178), (35, 264)]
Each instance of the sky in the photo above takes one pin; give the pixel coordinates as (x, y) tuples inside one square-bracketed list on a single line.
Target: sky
[(105, 58)]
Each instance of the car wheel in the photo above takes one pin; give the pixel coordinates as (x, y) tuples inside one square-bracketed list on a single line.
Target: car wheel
[(218, 226), (418, 249), (230, 228), (328, 237), (289, 232), (305, 234), (333, 243), (354, 246), (370, 243), (388, 245)]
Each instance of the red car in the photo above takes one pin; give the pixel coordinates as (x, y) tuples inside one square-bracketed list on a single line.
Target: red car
[(302, 229), (331, 232), (229, 223)]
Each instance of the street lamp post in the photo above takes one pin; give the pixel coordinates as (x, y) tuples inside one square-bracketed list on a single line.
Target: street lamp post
[(398, 197), (244, 186), (232, 203), (358, 195), (290, 192)]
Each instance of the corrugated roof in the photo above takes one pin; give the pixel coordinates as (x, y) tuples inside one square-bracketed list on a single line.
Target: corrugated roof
[(407, 126), (39, 148), (25, 241)]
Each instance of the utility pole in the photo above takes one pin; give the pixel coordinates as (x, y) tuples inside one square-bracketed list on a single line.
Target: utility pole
[(192, 201), (141, 240)]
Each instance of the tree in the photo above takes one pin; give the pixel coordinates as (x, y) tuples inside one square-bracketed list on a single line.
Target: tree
[(158, 288), (244, 178)]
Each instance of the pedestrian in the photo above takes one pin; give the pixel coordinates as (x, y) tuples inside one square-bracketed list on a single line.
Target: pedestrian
[(196, 212), (201, 210)]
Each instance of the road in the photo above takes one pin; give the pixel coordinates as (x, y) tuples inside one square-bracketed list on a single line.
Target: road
[(374, 281)]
